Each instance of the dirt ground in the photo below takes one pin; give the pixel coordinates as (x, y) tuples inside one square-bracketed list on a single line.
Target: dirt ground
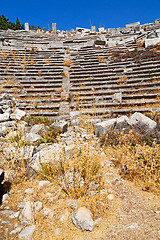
[(136, 216)]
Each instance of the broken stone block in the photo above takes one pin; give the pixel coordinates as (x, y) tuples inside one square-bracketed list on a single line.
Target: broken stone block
[(17, 114), (140, 120), (4, 117), (16, 230), (38, 129), (47, 212), (51, 153), (74, 118), (27, 233), (82, 219), (60, 126), (122, 122), (103, 127), (26, 26), (26, 216), (32, 137), (72, 203), (117, 98)]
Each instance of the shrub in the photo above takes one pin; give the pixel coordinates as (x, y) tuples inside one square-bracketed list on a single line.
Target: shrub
[(139, 155), (38, 120), (76, 173)]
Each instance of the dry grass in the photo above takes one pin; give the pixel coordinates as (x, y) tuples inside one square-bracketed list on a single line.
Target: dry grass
[(101, 58), (77, 174), (141, 44), (59, 90), (68, 62), (65, 74), (122, 80), (21, 62), (39, 73), (80, 174), (47, 61), (4, 54), (139, 154)]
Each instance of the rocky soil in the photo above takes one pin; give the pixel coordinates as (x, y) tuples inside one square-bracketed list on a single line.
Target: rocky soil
[(34, 208)]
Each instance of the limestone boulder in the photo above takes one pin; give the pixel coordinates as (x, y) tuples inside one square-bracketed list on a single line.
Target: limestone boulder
[(103, 127), (38, 129), (17, 114), (74, 118), (4, 117), (60, 126), (117, 98), (140, 120), (26, 233), (48, 154), (24, 152), (32, 137), (122, 122), (83, 219), (26, 216)]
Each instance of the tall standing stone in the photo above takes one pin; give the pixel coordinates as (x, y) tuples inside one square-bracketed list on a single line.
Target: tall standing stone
[(27, 26), (54, 27), (93, 29)]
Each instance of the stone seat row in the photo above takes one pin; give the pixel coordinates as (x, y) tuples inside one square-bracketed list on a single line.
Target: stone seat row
[(111, 82)]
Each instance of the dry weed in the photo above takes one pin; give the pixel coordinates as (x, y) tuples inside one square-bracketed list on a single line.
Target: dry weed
[(101, 58), (139, 154), (68, 62)]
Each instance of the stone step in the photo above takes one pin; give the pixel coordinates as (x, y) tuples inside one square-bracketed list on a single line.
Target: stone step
[(27, 75), (32, 96), (105, 64), (44, 114), (35, 101), (109, 81), (32, 90), (36, 86), (116, 86), (40, 107), (112, 78), (111, 92), (120, 68), (105, 112), (33, 69), (125, 97), (149, 72), (123, 104)]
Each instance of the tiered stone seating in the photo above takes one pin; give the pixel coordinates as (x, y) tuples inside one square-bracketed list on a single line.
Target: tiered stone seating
[(37, 85), (95, 82), (34, 72)]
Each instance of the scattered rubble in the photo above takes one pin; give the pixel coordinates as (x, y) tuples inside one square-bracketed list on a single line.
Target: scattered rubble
[(28, 211)]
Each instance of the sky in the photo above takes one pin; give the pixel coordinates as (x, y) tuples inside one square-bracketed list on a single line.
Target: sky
[(69, 14)]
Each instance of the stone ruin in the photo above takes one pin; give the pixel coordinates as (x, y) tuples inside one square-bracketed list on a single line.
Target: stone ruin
[(112, 72), (116, 69)]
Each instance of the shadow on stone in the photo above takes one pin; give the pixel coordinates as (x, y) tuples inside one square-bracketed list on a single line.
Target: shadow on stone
[(4, 187)]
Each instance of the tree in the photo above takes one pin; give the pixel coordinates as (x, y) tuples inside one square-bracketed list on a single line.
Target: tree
[(4, 24), (32, 27), (18, 26), (38, 27)]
